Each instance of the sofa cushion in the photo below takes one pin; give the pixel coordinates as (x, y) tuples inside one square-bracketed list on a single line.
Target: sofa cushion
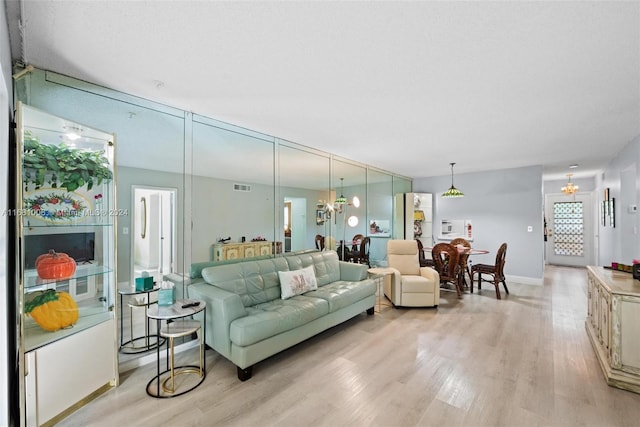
[(341, 294), (326, 265), (297, 282), (255, 281), (272, 318)]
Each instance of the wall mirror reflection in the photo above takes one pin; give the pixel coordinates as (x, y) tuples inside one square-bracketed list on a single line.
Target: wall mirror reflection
[(226, 184), (304, 182), (349, 186)]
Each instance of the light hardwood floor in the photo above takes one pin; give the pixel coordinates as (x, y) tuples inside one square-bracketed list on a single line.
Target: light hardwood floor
[(522, 361)]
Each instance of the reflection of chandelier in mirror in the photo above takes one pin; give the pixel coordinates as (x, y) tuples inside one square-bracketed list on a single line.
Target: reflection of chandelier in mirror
[(570, 189), (340, 200)]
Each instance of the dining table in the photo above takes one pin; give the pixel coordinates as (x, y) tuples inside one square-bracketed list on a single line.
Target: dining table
[(462, 262)]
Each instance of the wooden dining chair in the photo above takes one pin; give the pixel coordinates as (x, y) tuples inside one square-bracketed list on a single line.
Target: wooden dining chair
[(319, 242), (463, 259), (357, 239), (361, 255), (445, 259), (352, 254), (424, 261), (496, 271)]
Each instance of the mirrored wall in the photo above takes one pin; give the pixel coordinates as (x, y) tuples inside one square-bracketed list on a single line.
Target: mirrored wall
[(212, 183)]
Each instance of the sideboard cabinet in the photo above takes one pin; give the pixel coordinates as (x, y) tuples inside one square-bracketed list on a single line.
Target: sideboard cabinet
[(613, 325), (227, 251)]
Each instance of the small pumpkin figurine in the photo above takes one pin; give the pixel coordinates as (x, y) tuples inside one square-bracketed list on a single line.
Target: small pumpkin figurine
[(52, 310), (55, 265)]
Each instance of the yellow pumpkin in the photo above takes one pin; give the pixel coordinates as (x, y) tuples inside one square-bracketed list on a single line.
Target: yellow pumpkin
[(52, 310)]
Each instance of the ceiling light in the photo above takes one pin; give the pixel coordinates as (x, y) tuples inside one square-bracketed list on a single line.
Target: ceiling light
[(452, 191), (73, 133), (573, 166), (570, 189)]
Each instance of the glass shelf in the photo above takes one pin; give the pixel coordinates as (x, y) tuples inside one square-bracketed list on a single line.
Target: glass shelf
[(31, 279), (90, 316), (76, 224)]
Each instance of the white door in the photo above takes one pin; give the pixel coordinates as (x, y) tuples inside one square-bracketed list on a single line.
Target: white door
[(570, 225), (153, 241)]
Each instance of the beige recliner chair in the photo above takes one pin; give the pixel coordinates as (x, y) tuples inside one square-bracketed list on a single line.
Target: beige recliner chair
[(411, 285)]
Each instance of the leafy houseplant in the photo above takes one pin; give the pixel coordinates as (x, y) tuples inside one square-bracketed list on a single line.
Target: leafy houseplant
[(62, 166)]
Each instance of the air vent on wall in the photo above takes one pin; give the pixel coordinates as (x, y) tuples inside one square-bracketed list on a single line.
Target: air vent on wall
[(242, 187)]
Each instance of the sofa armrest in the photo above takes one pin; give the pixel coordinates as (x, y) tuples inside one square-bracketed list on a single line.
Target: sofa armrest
[(223, 307), (352, 272)]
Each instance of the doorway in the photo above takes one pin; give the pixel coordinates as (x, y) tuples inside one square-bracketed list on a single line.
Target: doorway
[(295, 224), (570, 230), (154, 232)]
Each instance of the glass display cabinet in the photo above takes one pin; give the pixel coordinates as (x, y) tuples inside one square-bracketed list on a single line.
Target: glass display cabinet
[(66, 216)]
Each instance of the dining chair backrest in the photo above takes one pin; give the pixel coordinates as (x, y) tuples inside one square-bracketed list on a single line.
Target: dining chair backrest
[(445, 259), (319, 242), (356, 241), (421, 257), (460, 241), (364, 247), (464, 256), (500, 260)]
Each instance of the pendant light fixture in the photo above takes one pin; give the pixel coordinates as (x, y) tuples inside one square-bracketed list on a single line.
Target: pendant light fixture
[(570, 189), (341, 200), (452, 191)]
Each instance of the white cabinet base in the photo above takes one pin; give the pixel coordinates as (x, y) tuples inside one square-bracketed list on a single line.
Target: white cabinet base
[(66, 373)]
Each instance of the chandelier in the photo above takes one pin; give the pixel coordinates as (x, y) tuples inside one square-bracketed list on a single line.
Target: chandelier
[(452, 191), (570, 189)]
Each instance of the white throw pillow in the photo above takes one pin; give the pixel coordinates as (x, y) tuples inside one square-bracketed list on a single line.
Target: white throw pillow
[(297, 282)]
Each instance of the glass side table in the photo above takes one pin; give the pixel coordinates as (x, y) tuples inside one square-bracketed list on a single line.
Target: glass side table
[(144, 342)]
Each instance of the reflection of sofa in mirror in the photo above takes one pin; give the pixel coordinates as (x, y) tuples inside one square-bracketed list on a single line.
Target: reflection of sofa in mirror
[(247, 321)]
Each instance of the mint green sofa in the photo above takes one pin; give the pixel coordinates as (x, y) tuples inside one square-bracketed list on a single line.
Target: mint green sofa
[(247, 321)]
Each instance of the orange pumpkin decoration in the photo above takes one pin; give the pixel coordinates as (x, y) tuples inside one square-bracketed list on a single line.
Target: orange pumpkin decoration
[(52, 310), (55, 265)]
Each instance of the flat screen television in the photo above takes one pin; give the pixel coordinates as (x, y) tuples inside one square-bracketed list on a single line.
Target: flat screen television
[(79, 246)]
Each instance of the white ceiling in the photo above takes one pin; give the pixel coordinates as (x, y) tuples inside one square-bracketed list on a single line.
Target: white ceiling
[(405, 86)]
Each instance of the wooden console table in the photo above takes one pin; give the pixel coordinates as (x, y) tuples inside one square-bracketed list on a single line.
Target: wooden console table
[(613, 325)]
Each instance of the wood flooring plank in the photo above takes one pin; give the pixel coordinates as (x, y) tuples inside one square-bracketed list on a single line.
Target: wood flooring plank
[(522, 361)]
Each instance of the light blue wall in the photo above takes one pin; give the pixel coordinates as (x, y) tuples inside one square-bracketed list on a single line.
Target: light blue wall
[(501, 205), (622, 177)]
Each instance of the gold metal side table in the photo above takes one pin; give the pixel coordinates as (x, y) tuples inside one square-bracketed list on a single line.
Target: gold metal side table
[(175, 314)]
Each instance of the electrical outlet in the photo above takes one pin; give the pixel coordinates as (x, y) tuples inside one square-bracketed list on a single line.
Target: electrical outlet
[(125, 230), (530, 229)]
